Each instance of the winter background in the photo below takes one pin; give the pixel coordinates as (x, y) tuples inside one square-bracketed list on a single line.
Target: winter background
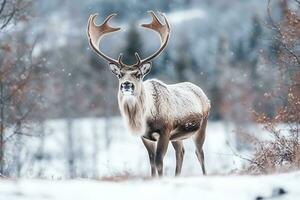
[(59, 113)]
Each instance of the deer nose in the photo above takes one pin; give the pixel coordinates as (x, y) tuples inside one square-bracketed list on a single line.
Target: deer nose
[(127, 85)]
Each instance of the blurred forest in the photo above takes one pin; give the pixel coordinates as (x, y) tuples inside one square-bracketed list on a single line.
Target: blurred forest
[(48, 71)]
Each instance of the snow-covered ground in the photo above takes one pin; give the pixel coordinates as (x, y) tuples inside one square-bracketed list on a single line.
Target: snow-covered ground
[(209, 187), (100, 151), (105, 148)]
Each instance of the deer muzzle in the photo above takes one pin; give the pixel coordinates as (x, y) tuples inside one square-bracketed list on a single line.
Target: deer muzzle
[(127, 88)]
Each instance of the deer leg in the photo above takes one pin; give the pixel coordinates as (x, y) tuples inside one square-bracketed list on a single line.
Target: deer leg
[(179, 151), (162, 146), (151, 148), (200, 156), (199, 140)]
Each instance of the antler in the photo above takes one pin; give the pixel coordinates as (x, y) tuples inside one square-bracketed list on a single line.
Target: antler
[(164, 32), (96, 32)]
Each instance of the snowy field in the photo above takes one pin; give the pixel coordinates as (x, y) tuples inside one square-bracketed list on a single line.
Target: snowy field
[(105, 148), (209, 187)]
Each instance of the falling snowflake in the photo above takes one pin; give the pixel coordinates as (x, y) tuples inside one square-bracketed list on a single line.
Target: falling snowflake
[(23, 76)]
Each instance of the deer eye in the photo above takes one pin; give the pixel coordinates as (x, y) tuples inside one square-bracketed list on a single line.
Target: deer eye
[(120, 75), (137, 74)]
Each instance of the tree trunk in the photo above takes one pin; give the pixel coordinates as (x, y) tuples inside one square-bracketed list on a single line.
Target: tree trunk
[(18, 151), (70, 146), (1, 129), (95, 150)]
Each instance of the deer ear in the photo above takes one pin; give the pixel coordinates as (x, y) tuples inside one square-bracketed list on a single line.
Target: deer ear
[(115, 69), (146, 68)]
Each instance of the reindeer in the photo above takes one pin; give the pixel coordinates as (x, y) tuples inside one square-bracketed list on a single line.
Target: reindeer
[(157, 112)]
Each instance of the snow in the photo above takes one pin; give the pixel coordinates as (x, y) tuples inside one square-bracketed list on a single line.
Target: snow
[(208, 187), (124, 154)]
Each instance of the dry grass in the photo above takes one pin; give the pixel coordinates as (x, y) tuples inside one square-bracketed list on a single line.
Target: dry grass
[(282, 151), (124, 176)]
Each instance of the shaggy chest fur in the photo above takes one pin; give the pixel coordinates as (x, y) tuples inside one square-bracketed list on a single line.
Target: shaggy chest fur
[(174, 109)]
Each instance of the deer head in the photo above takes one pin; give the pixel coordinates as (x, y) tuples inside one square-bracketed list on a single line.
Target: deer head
[(130, 76)]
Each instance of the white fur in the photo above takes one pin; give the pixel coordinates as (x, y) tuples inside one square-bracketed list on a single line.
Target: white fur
[(176, 101)]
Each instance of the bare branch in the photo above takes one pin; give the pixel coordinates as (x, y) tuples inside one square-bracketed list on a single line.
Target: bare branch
[(25, 115), (2, 6), (24, 82), (291, 52), (244, 158), (11, 15), (5, 71), (277, 28), (21, 84), (18, 133)]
